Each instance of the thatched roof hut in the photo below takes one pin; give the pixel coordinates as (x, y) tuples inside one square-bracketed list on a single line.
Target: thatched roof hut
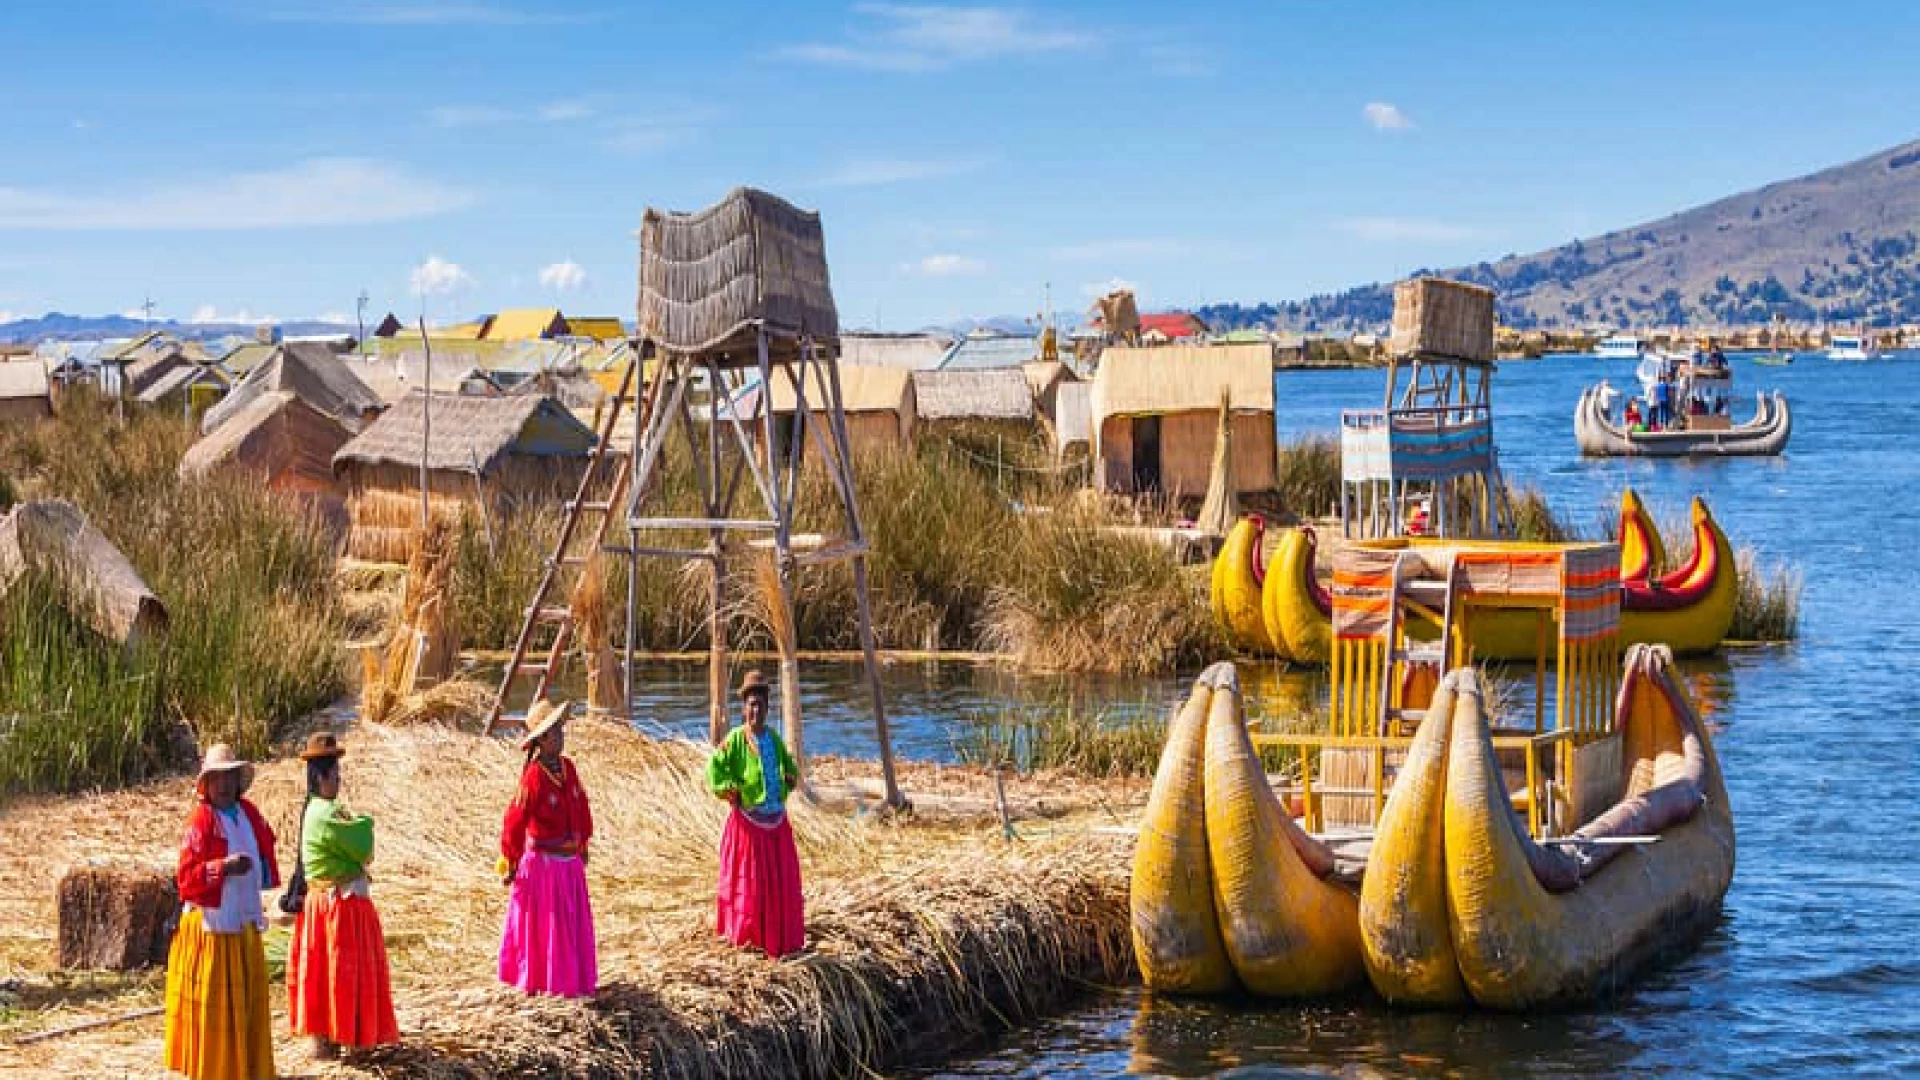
[(279, 438), (915, 352), (879, 404), (310, 371), (489, 453), (1044, 379), (710, 280), (25, 391), (994, 395), (526, 324), (1155, 412)]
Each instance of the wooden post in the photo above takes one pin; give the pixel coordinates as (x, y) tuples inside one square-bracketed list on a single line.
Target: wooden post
[(837, 416), (717, 597), (426, 422)]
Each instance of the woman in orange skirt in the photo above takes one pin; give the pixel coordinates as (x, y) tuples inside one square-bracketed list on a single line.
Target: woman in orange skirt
[(218, 1024), (337, 964)]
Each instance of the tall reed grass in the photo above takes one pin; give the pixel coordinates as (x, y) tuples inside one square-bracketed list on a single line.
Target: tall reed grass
[(1307, 475), (1065, 737), (247, 578), (1536, 521), (1768, 607)]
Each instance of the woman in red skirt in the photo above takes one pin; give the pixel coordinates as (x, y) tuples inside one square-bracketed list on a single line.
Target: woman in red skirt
[(760, 901), (337, 979)]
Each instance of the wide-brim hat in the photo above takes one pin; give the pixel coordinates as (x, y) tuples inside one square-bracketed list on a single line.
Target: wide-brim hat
[(221, 758), (753, 683), (322, 744), (540, 722)]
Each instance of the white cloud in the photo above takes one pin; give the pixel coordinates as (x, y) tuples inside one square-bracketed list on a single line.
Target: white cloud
[(208, 313), (139, 313), (1385, 116), (465, 116), (437, 275), (926, 37), (319, 192), (945, 266), (1404, 230), (338, 318), (1130, 248), (564, 276), (8, 316), (565, 110), (873, 172), (1097, 289)]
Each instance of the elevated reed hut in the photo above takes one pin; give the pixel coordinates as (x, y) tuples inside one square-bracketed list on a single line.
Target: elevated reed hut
[(1430, 446), (311, 371), (490, 455), (730, 296), (1156, 417)]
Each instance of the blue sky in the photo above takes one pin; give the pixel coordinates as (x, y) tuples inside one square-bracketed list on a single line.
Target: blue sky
[(271, 158)]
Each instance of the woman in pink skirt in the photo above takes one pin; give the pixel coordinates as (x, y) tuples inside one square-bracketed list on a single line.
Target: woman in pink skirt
[(760, 901), (547, 946)]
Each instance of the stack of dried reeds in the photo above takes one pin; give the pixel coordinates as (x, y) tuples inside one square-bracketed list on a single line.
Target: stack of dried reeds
[(1222, 506), (593, 631), (116, 917), (404, 677)]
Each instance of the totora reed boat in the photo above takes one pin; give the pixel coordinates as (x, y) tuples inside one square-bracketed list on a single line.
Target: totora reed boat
[(1689, 608)]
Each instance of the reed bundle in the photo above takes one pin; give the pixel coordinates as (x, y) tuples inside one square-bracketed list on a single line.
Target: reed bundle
[(593, 630), (423, 645)]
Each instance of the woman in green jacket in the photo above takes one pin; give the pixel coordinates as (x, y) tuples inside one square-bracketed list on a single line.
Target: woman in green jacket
[(760, 898)]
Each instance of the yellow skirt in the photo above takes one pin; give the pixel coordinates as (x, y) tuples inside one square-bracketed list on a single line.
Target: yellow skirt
[(219, 1026)]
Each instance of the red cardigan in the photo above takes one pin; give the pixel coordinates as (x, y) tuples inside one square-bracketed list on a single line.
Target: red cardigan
[(550, 817), (201, 875)]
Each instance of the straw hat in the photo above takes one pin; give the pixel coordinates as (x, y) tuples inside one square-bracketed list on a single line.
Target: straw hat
[(221, 758), (322, 744), (539, 723), (753, 683)]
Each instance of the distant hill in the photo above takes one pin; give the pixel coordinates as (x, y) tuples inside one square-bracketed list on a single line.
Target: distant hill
[(1841, 245), (55, 326)]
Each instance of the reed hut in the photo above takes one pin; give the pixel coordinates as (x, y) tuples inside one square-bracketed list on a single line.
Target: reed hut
[(1155, 414), (1073, 420), (1044, 379), (879, 402), (915, 352), (986, 401), (287, 444), (53, 538), (25, 391), (310, 371), (487, 454)]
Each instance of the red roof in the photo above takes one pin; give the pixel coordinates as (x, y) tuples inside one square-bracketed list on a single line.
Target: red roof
[(1173, 324)]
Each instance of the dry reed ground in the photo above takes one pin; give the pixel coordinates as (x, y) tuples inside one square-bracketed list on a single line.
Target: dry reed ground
[(923, 933)]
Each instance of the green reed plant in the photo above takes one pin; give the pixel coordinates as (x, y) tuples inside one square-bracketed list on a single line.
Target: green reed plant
[(1065, 737), (1768, 606), (1307, 475)]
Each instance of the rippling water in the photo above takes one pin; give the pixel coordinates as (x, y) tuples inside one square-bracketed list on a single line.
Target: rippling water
[(1815, 968)]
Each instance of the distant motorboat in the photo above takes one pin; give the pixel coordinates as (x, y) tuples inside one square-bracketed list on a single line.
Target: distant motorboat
[(1619, 347), (1848, 347)]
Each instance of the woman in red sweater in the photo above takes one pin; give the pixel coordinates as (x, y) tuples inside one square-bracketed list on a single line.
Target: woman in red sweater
[(547, 946)]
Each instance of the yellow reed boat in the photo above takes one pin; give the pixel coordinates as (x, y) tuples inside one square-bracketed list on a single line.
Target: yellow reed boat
[(1689, 609), (1459, 904)]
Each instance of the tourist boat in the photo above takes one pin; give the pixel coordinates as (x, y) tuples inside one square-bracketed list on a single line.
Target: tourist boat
[(1702, 430), (1458, 904), (1848, 347), (1446, 823), (1619, 347), (1689, 607)]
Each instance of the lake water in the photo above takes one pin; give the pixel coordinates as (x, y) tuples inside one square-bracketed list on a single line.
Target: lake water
[(1815, 968)]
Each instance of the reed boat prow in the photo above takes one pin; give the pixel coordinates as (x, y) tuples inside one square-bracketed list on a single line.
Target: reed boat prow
[(1534, 926), (1235, 586), (1297, 608), (1176, 935)]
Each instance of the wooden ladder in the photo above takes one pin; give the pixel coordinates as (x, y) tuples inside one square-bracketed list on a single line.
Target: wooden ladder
[(564, 566), (1403, 654)]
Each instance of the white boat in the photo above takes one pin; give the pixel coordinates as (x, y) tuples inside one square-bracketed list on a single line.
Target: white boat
[(1848, 347), (1619, 347)]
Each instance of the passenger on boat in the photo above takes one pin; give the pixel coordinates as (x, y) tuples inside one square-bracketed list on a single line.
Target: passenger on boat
[(547, 945), (760, 900), (1662, 404), (1635, 422), (219, 1026), (338, 989)]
